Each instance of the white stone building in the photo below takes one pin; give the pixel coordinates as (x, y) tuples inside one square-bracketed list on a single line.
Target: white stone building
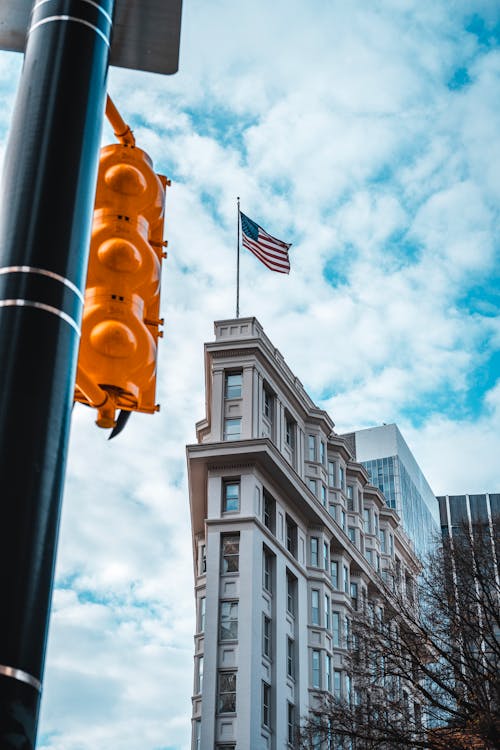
[(288, 539)]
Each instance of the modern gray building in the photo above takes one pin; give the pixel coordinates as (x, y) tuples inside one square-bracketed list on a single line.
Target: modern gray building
[(392, 468), (474, 511), (289, 540)]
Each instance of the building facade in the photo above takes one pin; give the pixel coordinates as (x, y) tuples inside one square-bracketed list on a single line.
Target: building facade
[(392, 468), (472, 510), (289, 540)]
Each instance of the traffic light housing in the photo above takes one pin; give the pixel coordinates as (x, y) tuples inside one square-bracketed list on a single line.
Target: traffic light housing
[(121, 315)]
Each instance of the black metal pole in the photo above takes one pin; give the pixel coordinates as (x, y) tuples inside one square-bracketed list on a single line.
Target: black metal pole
[(46, 208)]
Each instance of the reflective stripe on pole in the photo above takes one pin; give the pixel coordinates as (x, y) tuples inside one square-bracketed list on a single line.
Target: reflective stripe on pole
[(46, 206)]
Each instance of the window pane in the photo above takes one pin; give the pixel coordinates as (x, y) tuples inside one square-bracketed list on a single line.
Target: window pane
[(201, 622), (268, 404), (334, 573), (266, 637), (336, 628), (227, 692), (331, 473), (266, 704), (316, 676), (290, 594), (232, 429), (228, 621), (314, 551), (315, 607), (230, 554), (233, 385), (311, 443), (231, 501), (290, 657), (267, 568)]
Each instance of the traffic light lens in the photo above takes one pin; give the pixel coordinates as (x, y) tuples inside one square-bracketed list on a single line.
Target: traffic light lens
[(120, 255), (113, 339), (125, 179)]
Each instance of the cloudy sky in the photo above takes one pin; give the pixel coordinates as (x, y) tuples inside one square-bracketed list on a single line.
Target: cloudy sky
[(365, 132)]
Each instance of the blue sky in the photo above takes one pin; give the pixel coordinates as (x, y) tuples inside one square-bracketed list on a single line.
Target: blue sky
[(367, 134)]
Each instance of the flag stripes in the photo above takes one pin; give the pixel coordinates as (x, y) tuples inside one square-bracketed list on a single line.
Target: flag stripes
[(272, 252)]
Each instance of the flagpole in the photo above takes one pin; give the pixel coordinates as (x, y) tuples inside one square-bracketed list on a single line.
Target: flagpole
[(238, 265)]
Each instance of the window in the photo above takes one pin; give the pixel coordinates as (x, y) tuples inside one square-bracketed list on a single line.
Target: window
[(291, 536), (379, 614), (328, 672), (291, 593), (197, 734), (346, 579), (354, 595), (316, 669), (289, 432), (323, 495), (326, 555), (327, 612), (267, 406), (342, 520), (350, 497), (314, 544), (230, 496), (202, 559), (337, 683), (347, 632), (334, 574), (368, 521), (342, 478), (201, 615), (290, 657), (232, 429), (228, 630), (199, 675), (266, 637), (315, 606), (312, 486), (383, 541), (311, 448), (351, 533), (230, 550), (266, 704), (348, 695), (227, 693), (331, 473), (267, 570), (369, 556), (269, 511), (291, 723), (331, 511), (233, 385), (336, 628), (322, 452)]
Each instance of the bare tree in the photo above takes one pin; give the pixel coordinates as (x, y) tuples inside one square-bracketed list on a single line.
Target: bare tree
[(424, 667)]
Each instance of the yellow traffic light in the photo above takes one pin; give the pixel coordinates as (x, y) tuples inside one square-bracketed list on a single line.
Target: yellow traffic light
[(121, 315)]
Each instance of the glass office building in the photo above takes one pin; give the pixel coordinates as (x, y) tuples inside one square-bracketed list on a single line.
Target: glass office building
[(392, 468)]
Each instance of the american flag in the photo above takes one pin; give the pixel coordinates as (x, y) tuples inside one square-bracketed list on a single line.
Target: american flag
[(272, 252)]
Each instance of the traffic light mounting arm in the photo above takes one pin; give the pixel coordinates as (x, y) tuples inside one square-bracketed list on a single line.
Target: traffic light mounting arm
[(121, 130)]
